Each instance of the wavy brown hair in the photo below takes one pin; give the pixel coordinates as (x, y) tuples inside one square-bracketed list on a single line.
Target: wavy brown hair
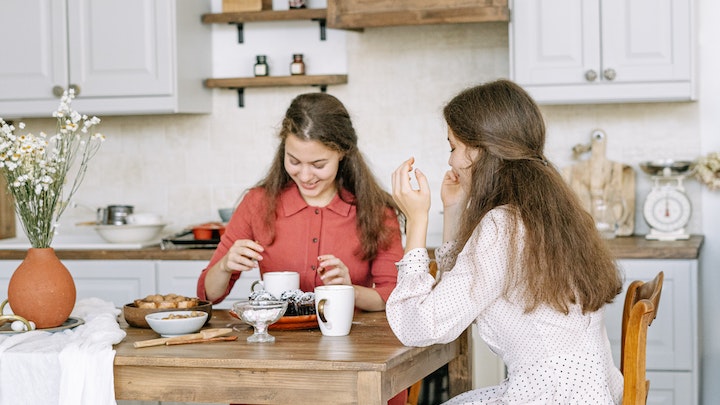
[(564, 259), (323, 118)]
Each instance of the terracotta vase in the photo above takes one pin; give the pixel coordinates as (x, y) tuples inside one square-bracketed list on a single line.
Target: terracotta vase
[(42, 289)]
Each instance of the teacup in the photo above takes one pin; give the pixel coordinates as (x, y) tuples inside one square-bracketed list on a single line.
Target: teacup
[(277, 282), (335, 307)]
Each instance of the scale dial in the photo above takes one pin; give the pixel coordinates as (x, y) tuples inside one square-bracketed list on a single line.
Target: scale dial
[(667, 209)]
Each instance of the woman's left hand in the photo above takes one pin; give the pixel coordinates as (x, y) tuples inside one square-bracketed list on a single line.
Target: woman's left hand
[(333, 271)]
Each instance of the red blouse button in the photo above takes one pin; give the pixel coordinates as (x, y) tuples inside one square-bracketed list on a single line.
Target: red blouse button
[(317, 211), (315, 240)]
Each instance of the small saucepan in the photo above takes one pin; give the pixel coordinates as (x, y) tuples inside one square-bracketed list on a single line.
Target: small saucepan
[(208, 231)]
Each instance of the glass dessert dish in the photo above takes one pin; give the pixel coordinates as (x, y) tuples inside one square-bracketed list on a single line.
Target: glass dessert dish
[(260, 315)]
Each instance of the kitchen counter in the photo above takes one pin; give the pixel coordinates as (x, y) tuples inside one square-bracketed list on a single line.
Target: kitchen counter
[(630, 247)]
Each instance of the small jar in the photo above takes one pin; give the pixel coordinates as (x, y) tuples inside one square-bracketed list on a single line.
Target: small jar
[(261, 66), (297, 4), (297, 67)]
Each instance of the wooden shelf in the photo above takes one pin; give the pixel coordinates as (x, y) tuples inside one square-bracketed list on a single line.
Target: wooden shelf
[(266, 15), (351, 14), (240, 83)]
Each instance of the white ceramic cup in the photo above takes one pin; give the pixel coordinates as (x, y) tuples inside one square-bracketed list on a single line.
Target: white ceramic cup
[(335, 306), (277, 282)]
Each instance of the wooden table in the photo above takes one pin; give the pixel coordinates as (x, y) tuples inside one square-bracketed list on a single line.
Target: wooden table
[(368, 366)]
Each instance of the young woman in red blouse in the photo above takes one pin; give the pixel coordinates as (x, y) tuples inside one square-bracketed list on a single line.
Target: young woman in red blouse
[(319, 211)]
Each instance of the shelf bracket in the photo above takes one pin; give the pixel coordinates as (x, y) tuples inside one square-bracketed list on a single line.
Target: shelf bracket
[(240, 32), (241, 96), (323, 25), (323, 87)]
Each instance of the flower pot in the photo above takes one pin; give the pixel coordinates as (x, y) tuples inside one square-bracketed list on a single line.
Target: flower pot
[(42, 289)]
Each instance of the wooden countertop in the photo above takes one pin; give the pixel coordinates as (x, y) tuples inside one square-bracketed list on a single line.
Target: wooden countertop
[(629, 247)]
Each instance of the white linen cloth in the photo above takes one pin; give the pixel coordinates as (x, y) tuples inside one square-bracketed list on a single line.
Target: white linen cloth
[(69, 367)]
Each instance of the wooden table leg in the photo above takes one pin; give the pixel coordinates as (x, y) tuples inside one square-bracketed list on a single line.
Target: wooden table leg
[(460, 368), (369, 388)]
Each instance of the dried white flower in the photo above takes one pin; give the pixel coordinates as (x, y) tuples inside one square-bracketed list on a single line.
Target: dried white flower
[(707, 170), (37, 166)]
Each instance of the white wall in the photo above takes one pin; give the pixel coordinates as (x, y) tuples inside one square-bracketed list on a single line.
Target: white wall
[(185, 167), (709, 62)]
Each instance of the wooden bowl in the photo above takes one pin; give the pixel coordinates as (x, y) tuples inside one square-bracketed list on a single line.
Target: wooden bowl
[(135, 316)]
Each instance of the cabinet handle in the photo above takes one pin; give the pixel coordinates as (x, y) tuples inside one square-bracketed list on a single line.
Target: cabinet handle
[(58, 91), (591, 75), (609, 74), (76, 88)]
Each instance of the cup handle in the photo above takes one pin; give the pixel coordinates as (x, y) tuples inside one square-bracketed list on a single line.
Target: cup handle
[(321, 309), (256, 282)]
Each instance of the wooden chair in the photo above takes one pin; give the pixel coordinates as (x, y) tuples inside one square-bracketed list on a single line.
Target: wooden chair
[(414, 390), (641, 305)]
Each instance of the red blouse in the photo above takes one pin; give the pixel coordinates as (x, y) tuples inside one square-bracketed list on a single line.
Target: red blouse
[(302, 233)]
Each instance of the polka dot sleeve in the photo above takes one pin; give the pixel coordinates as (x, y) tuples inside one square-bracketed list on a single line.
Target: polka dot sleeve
[(422, 313)]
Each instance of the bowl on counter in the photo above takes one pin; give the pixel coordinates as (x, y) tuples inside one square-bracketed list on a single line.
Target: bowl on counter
[(130, 233), (225, 214), (135, 316), (175, 323)]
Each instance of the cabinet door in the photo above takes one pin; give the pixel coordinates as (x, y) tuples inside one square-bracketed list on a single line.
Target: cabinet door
[(117, 281), (555, 41), (180, 277), (600, 51), (670, 388), (34, 45), (120, 48), (646, 40), (672, 337)]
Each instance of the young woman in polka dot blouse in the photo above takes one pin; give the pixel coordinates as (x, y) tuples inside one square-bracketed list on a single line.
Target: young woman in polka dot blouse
[(520, 258)]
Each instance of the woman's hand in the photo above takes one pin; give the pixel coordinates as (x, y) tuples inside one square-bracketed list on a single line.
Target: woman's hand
[(333, 271), (453, 197), (413, 203), (243, 255), (451, 192)]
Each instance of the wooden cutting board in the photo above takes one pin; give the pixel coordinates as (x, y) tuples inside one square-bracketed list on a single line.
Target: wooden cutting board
[(597, 174), (7, 212)]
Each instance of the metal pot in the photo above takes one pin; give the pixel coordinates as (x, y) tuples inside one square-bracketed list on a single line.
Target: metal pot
[(114, 214)]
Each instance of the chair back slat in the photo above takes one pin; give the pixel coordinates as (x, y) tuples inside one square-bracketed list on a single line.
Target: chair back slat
[(641, 304)]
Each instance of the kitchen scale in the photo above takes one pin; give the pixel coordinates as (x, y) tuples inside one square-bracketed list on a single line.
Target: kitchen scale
[(667, 208)]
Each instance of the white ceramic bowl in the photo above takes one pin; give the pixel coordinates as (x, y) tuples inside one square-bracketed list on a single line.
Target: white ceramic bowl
[(144, 218), (175, 323), (129, 233)]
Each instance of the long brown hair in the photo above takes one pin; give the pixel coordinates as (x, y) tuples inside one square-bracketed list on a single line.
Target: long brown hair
[(323, 118), (564, 260)]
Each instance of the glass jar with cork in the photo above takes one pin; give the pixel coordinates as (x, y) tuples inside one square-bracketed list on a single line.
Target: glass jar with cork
[(297, 67)]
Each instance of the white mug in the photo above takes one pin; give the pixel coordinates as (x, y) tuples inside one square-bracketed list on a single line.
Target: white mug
[(277, 282), (335, 307)]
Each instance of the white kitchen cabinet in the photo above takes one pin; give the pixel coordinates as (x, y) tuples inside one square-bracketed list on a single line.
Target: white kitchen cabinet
[(180, 277), (672, 342), (118, 281), (122, 57), (601, 51)]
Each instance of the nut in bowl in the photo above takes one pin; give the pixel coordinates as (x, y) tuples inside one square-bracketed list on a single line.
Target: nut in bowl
[(176, 323), (130, 233)]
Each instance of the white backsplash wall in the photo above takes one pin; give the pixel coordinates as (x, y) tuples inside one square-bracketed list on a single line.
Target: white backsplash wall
[(186, 166)]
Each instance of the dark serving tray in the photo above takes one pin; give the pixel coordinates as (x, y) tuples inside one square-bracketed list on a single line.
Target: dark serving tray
[(186, 240)]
